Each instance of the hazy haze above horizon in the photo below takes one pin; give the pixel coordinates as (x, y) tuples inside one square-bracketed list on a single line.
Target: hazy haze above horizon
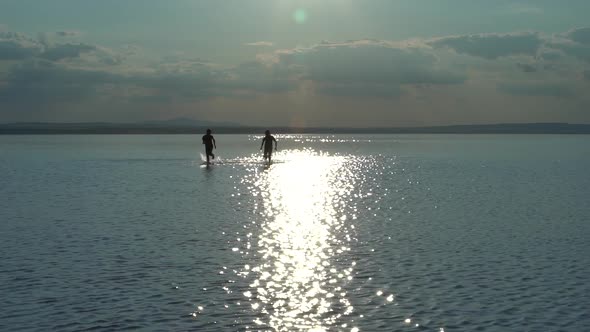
[(332, 63)]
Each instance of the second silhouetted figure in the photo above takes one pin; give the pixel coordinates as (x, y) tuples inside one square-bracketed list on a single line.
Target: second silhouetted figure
[(209, 142), (267, 143)]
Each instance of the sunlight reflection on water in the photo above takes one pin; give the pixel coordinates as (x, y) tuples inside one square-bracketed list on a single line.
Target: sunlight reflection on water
[(304, 238)]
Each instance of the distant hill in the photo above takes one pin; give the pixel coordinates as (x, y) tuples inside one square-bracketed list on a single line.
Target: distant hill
[(186, 122), (190, 126)]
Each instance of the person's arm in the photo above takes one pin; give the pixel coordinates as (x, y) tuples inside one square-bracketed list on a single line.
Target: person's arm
[(214, 145), (261, 144), (275, 143)]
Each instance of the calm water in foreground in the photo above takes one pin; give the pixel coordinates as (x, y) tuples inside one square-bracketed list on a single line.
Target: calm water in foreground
[(340, 233)]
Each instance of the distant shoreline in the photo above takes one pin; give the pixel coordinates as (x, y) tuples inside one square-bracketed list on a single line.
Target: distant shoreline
[(142, 129)]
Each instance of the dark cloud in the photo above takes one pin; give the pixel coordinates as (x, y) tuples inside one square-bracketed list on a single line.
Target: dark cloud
[(33, 77), (11, 50), (111, 57), (67, 33), (574, 43), (492, 46), (586, 75), (547, 89), (582, 52), (550, 55), (527, 68), (112, 60), (17, 46), (381, 66), (16, 36), (65, 51), (362, 63), (39, 81), (580, 35)]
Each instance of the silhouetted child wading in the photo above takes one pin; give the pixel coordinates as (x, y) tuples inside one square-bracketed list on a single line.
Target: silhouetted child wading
[(209, 142), (267, 143)]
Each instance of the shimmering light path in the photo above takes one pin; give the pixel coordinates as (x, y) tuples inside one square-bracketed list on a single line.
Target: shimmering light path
[(303, 242)]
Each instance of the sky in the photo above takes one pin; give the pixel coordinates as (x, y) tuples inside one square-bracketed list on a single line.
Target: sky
[(332, 63)]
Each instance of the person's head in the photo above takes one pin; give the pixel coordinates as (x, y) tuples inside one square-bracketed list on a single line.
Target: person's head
[(267, 133), (208, 131)]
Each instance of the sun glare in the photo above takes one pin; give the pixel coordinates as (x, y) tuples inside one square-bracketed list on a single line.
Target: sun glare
[(298, 284)]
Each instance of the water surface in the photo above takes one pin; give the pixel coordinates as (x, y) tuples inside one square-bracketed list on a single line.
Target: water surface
[(340, 233)]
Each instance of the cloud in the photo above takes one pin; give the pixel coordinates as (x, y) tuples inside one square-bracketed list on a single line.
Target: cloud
[(44, 39), (493, 45), (371, 72), (580, 35), (527, 68), (575, 43), (17, 46), (65, 51), (539, 88), (341, 68), (579, 51), (12, 50), (257, 77), (102, 55), (41, 81), (48, 39), (260, 43), (197, 79), (67, 33), (550, 55)]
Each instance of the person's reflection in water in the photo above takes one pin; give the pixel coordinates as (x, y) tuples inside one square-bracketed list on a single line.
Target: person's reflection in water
[(267, 143)]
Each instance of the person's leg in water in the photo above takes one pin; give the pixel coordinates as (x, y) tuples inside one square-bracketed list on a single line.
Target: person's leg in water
[(209, 152), (268, 154)]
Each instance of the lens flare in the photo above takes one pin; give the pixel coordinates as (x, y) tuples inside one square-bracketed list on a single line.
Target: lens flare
[(300, 16)]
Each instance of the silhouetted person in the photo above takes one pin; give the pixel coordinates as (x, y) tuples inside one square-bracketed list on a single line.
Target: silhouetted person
[(267, 143), (209, 142)]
